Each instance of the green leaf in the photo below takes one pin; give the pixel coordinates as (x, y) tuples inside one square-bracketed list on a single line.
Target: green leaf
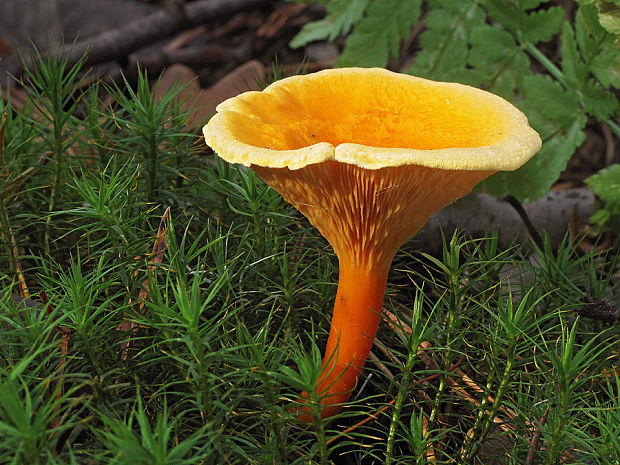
[(606, 184), (529, 4), (445, 41), (597, 47), (378, 34), (535, 26), (556, 114), (609, 16), (600, 217), (598, 101), (534, 179), (310, 32), (574, 68), (579, 50), (341, 15), (542, 25), (500, 62), (548, 105)]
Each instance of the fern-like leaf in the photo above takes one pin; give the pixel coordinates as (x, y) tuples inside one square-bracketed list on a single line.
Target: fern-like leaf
[(573, 66), (341, 16), (497, 60), (524, 18), (445, 41), (379, 33), (597, 46), (606, 185), (556, 114)]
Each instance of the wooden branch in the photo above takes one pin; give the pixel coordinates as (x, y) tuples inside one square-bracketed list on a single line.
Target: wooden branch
[(120, 42)]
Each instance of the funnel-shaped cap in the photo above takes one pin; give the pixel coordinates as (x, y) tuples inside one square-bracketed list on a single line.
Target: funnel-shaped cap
[(367, 156)]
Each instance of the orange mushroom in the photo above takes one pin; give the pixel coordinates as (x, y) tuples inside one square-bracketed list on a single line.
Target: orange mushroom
[(367, 155)]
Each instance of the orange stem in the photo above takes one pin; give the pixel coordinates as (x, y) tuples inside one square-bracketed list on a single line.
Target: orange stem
[(357, 314)]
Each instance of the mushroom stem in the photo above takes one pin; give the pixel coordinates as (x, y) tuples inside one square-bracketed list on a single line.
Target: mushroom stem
[(356, 317)]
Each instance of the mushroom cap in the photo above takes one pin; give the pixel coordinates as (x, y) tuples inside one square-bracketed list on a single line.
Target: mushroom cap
[(371, 118), (367, 155)]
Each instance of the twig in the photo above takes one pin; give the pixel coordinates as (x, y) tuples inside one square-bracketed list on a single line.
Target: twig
[(376, 413), (430, 452), (397, 324), (460, 390), (526, 219), (121, 42), (234, 24), (64, 350), (369, 418), (472, 384), (399, 64), (380, 365), (531, 453), (158, 254), (23, 287), (610, 145), (479, 212), (184, 38), (385, 351), (198, 55), (278, 19)]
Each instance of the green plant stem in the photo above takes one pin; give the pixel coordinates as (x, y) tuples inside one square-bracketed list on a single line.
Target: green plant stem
[(469, 440), (204, 386), (504, 383), (452, 30), (614, 127), (560, 423), (559, 75), (319, 427), (57, 152), (452, 316), (2, 159), (436, 404), (276, 420), (152, 168), (6, 236), (4, 220), (402, 394), (546, 62), (255, 208)]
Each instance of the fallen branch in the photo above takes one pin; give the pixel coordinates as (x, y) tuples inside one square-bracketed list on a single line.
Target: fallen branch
[(121, 42)]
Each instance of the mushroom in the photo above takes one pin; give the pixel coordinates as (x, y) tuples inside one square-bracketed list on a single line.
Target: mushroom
[(367, 155)]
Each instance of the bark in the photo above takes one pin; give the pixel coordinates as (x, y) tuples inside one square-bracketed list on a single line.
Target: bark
[(120, 42)]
